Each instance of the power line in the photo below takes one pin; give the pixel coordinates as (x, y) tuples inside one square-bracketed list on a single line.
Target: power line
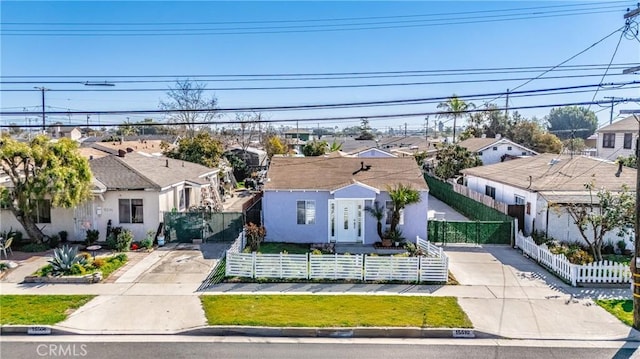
[(286, 29), (313, 87), (610, 61), (567, 60)]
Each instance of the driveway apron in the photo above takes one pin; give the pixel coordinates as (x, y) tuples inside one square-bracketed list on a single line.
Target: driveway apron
[(528, 301)]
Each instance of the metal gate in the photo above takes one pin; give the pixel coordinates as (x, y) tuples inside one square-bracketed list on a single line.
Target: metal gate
[(208, 226), (478, 232)]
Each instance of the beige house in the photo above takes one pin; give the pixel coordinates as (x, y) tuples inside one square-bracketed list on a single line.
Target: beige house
[(618, 139)]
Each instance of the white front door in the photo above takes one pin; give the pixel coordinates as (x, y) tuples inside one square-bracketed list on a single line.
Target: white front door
[(348, 221)]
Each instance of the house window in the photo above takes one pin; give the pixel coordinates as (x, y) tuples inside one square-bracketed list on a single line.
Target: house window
[(131, 210), (524, 153), (519, 200), (306, 212), (495, 148), (628, 137), (359, 224), (490, 191), (389, 214), (509, 148), (609, 140), (480, 153), (42, 213), (184, 198)]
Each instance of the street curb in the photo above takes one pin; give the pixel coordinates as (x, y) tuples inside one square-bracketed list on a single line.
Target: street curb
[(301, 332)]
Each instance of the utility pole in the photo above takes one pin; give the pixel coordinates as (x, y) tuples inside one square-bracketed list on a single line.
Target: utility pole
[(405, 129), (613, 100), (426, 130), (42, 89), (635, 263), (506, 106)]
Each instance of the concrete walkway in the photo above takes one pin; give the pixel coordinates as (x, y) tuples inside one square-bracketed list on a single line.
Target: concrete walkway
[(450, 214)]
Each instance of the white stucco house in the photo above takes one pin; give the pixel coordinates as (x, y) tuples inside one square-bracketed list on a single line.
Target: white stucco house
[(617, 139), (546, 182), (495, 150), (132, 191)]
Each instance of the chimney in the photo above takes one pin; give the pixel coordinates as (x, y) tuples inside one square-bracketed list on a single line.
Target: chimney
[(90, 157), (166, 163), (121, 153)]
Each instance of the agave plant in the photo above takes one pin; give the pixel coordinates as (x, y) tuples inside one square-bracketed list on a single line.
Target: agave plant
[(64, 258)]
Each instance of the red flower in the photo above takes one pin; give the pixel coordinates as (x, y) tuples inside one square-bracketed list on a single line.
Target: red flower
[(134, 246)]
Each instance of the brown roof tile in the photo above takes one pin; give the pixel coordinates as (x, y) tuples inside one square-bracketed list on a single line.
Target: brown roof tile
[(629, 124), (330, 173)]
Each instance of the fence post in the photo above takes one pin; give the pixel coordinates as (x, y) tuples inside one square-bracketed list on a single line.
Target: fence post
[(574, 275), (308, 265), (253, 265)]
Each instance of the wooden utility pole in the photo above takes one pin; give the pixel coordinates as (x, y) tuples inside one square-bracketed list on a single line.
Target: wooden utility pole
[(42, 89), (506, 106)]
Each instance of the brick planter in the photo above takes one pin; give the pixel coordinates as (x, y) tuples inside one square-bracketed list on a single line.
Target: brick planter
[(85, 279)]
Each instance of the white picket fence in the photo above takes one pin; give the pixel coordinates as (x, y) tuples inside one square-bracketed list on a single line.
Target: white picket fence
[(434, 267), (596, 272)]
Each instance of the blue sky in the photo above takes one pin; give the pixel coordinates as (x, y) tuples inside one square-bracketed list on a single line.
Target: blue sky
[(526, 41)]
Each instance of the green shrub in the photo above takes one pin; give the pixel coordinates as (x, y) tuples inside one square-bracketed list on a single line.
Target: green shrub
[(120, 256), (316, 252), (64, 258), (255, 236), (92, 236), (99, 262), (44, 271), (123, 241), (147, 243), (53, 241), (64, 236), (77, 269), (3, 266), (34, 247)]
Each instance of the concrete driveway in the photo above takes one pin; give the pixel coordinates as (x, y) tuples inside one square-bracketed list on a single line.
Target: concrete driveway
[(520, 299), (157, 294)]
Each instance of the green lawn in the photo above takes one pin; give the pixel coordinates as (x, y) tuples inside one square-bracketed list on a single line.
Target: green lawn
[(38, 309), (334, 311), (278, 247), (620, 308)]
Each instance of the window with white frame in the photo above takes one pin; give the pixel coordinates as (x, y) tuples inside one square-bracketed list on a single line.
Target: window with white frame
[(389, 213), (306, 212), (490, 191), (519, 200), (42, 213), (184, 198), (609, 140), (131, 210)]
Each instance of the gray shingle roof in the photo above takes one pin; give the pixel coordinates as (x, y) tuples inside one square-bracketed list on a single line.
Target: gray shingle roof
[(135, 171)]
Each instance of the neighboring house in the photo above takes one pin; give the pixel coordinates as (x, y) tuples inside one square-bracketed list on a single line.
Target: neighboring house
[(130, 191), (253, 157), (618, 139), (323, 199), (544, 183), (495, 150), (72, 133), (151, 147), (303, 135), (373, 152)]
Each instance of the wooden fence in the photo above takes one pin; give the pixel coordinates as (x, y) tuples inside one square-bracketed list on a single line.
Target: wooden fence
[(596, 272), (434, 267)]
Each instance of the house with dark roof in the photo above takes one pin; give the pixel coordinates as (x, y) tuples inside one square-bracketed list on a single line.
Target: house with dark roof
[(617, 139), (494, 150), (545, 184), (138, 188), (323, 199)]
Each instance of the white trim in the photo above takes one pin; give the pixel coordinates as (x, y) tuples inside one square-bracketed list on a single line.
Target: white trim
[(356, 183), (506, 141)]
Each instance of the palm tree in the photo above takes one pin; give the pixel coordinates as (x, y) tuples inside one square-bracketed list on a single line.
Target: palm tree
[(454, 108), (401, 196), (377, 212)]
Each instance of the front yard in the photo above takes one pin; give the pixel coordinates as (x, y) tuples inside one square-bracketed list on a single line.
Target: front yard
[(619, 308), (334, 311), (39, 309)]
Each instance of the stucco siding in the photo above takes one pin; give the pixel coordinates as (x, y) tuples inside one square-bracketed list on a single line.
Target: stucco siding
[(613, 153), (280, 217)]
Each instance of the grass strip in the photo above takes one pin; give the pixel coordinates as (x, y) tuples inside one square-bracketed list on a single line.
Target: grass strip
[(334, 311), (39, 309), (619, 308)]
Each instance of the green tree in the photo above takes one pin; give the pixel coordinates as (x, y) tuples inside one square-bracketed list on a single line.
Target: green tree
[(605, 212), (315, 148), (454, 108), (202, 149), (451, 159), (42, 170), (496, 122), (365, 131), (564, 121), (546, 143), (377, 212), (401, 196)]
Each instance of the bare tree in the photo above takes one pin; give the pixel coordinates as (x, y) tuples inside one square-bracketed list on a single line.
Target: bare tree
[(192, 106)]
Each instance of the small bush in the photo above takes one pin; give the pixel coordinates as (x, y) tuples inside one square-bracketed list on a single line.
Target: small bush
[(45, 271), (120, 256), (77, 269), (608, 248), (54, 241), (540, 238), (3, 266), (255, 236), (34, 247), (64, 236), (123, 241), (92, 236), (86, 255), (147, 243), (99, 262), (316, 252)]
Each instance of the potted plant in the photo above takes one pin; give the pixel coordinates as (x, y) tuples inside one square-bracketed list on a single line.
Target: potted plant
[(377, 212)]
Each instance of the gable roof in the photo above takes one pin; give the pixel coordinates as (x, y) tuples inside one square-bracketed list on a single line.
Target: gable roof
[(556, 173), (333, 172), (479, 144), (627, 124), (135, 171)]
